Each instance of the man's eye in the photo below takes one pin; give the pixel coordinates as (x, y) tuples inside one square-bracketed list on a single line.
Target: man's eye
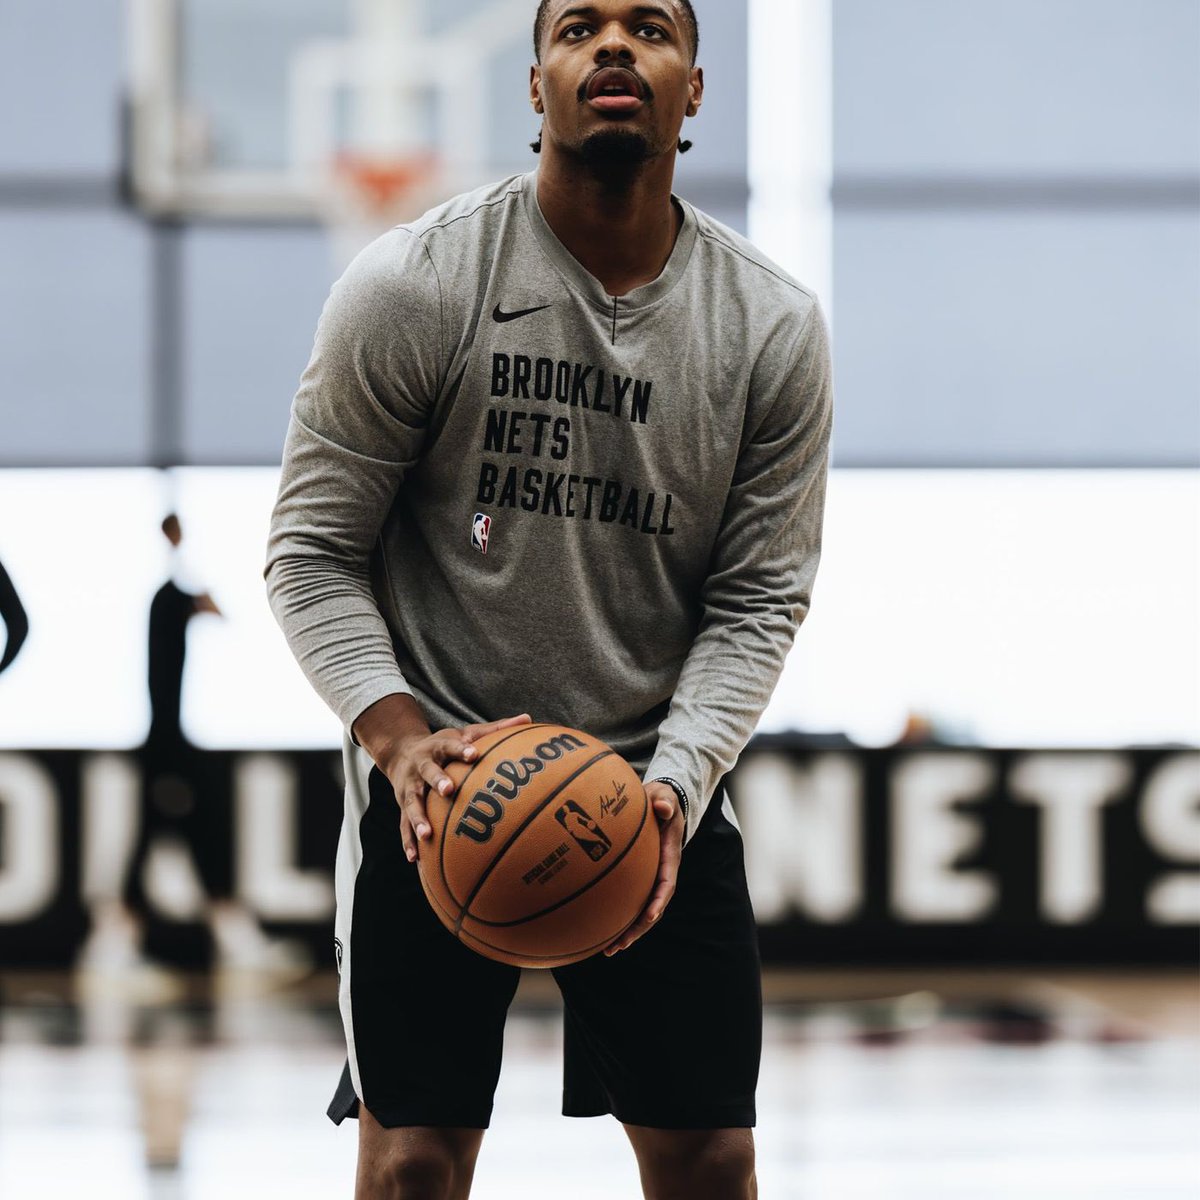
[(573, 33), (654, 32)]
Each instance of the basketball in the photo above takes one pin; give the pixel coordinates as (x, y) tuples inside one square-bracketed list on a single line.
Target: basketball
[(547, 852)]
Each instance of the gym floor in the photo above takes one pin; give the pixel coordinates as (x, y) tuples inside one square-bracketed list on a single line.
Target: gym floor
[(894, 1085)]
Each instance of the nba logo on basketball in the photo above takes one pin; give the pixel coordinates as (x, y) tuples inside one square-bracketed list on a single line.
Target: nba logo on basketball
[(581, 826), (481, 532)]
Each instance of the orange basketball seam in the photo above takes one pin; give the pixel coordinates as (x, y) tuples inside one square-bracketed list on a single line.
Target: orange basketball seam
[(552, 960), (487, 872), (612, 866), (436, 903), (460, 791)]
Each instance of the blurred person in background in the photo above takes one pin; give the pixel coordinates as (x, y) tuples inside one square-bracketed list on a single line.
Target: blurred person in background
[(171, 610), (16, 621), (181, 797)]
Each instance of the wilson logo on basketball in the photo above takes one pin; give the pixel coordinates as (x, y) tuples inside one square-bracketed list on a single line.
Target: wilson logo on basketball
[(509, 779)]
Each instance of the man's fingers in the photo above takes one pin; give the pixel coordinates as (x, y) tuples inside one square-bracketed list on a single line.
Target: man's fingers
[(406, 837), (412, 805), (670, 856), (455, 745), (664, 810), (430, 770), (659, 899), (668, 872), (649, 918), (438, 751), (422, 772), (473, 733)]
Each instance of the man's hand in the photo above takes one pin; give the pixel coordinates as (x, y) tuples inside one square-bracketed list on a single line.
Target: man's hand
[(206, 604), (395, 734), (670, 824)]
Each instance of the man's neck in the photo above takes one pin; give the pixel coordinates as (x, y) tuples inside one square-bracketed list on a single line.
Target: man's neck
[(623, 235)]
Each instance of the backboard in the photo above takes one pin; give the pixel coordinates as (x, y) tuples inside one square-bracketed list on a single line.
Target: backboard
[(245, 108)]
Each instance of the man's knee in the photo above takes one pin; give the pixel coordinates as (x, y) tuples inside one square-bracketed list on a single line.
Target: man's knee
[(416, 1164), (413, 1174), (697, 1165)]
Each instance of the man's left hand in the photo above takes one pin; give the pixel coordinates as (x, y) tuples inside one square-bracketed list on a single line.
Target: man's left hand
[(667, 809)]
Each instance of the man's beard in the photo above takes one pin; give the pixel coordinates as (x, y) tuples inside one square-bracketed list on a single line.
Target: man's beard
[(614, 155)]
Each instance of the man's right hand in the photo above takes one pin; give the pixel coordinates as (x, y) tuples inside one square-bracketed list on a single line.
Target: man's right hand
[(395, 734)]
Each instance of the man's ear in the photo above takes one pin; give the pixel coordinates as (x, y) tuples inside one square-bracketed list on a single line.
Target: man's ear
[(535, 89), (696, 90)]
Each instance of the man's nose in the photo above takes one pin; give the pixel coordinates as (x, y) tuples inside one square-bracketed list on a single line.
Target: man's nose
[(615, 42)]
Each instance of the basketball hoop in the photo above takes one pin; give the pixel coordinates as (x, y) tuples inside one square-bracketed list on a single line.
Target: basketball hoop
[(366, 195), (380, 184)]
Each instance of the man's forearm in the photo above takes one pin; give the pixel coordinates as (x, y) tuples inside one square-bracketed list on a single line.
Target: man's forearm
[(336, 632), (387, 725), (725, 685), (760, 580)]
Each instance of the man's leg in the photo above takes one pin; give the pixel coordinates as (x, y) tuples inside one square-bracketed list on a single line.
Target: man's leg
[(423, 1015), (414, 1163), (667, 1035), (695, 1164)]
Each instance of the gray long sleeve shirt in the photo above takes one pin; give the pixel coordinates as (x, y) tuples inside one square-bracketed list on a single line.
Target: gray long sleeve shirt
[(505, 491)]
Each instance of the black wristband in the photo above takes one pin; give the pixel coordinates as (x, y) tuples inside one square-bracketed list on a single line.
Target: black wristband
[(677, 788)]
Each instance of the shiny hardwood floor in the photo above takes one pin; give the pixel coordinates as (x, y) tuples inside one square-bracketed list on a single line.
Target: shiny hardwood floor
[(891, 1086)]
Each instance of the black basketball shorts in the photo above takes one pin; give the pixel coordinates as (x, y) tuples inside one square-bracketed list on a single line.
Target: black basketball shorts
[(667, 1034)]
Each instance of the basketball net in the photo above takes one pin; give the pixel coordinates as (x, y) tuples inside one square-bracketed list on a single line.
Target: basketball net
[(368, 194)]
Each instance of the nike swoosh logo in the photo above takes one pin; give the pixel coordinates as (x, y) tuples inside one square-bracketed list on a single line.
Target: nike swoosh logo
[(501, 317)]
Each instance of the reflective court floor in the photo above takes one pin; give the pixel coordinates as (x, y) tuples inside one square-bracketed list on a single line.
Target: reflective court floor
[(894, 1086)]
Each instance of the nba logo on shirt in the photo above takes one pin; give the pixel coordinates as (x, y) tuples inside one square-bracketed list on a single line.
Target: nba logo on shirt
[(481, 532)]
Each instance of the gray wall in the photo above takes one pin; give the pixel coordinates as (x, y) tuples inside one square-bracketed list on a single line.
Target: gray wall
[(251, 304), (60, 79), (75, 337), (75, 357), (1017, 257), (1017, 232)]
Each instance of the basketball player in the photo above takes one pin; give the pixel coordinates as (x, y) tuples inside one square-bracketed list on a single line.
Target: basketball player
[(171, 610), (181, 792), (637, 404), (176, 773)]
